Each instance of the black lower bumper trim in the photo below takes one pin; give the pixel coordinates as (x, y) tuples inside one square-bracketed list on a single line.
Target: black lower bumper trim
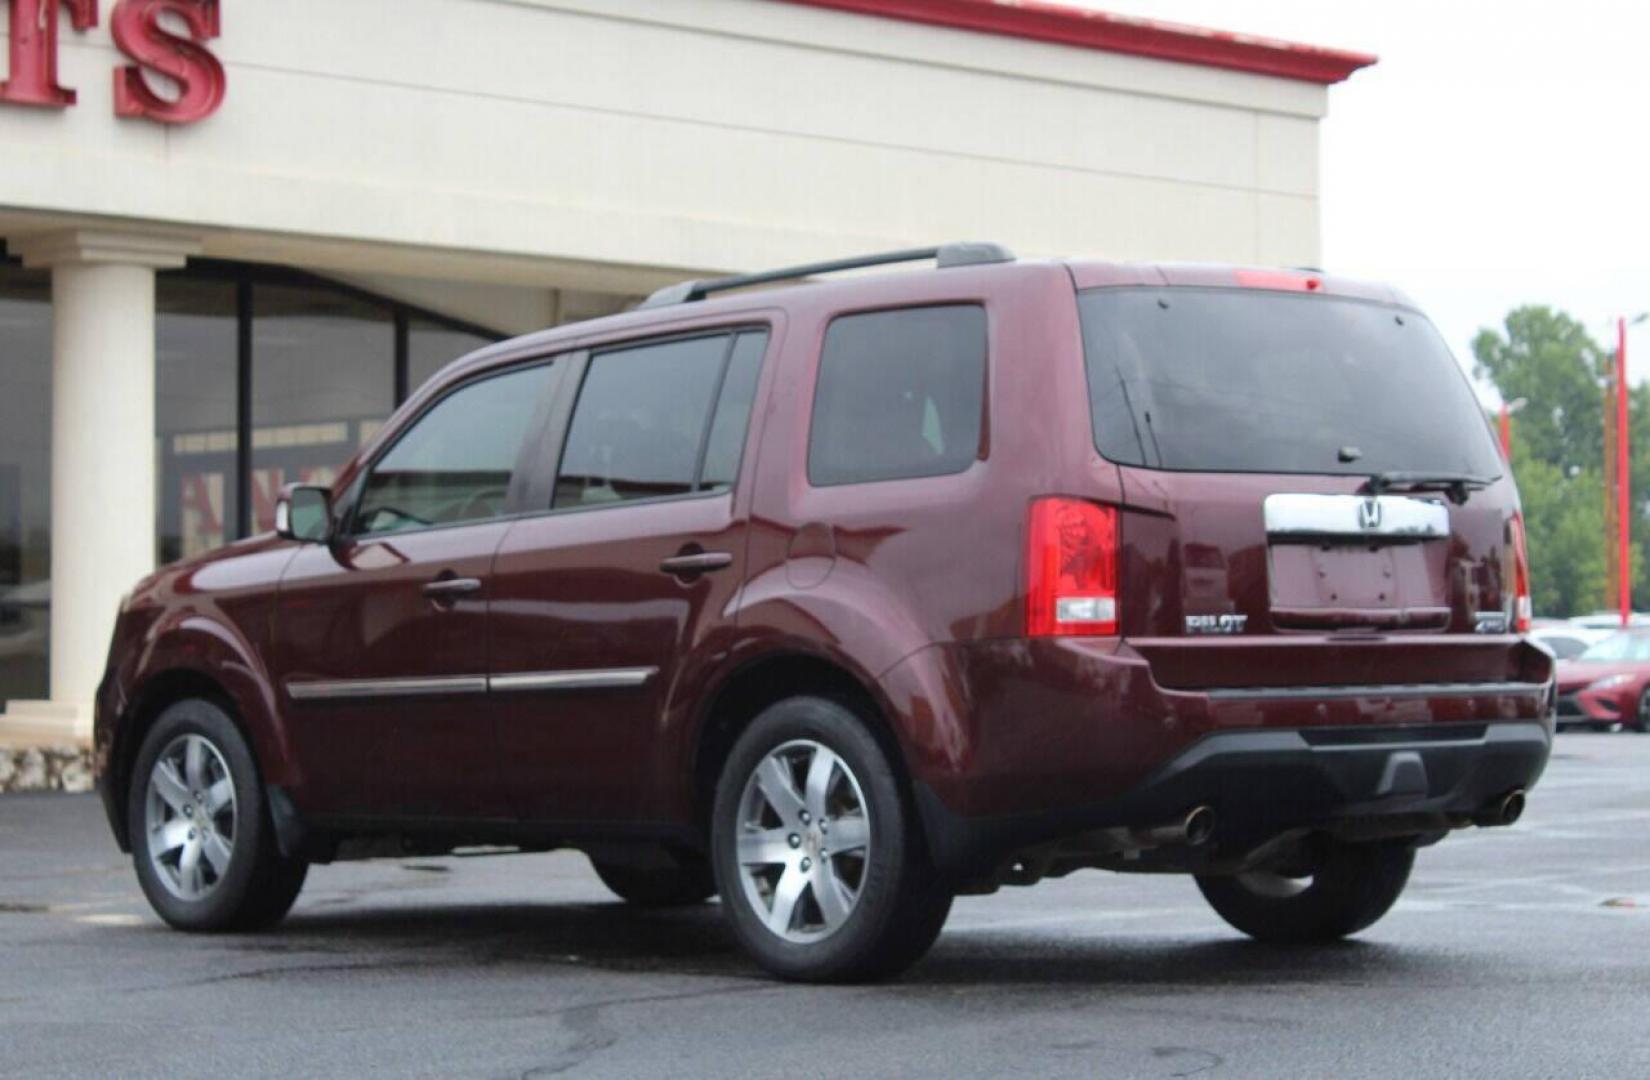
[(1264, 783)]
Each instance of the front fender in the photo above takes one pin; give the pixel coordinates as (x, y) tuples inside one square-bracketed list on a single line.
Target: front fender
[(199, 644), (184, 654)]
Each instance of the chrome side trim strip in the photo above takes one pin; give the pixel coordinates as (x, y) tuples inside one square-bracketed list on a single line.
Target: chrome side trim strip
[(1355, 515), (1394, 690), (356, 689), (590, 679)]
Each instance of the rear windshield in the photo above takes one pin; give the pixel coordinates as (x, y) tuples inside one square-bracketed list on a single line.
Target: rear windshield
[(1229, 380)]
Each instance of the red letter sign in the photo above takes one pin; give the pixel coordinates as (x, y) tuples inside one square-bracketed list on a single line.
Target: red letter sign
[(196, 71), (34, 50)]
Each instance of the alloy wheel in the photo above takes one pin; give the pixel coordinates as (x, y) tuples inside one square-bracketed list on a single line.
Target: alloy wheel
[(191, 817), (804, 841)]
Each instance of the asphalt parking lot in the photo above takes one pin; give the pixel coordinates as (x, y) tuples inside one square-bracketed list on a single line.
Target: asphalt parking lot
[(1516, 952)]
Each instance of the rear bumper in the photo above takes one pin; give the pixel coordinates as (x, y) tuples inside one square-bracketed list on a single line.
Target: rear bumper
[(1017, 727), (1262, 783)]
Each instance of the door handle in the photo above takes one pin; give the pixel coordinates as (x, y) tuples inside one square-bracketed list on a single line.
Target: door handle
[(447, 589), (698, 562)]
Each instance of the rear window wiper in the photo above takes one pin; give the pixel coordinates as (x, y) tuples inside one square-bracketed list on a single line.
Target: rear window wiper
[(1456, 486)]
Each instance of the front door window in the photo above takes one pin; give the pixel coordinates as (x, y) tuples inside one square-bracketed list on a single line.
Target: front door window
[(456, 462)]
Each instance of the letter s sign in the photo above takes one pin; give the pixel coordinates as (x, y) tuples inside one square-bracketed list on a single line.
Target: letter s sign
[(141, 35)]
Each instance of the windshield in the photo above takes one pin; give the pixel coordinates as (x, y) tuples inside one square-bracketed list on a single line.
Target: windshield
[(1620, 647), (1240, 380)]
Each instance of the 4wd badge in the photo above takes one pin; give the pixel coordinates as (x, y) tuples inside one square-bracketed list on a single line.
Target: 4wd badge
[(1216, 624)]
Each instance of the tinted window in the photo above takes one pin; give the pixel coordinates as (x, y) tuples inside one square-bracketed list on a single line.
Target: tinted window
[(431, 345), (1564, 648), (323, 383), (25, 481), (1247, 381), (733, 412), (1620, 647), (900, 394), (640, 422), (195, 393), (454, 463)]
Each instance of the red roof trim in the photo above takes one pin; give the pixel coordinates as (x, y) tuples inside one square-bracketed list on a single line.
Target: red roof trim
[(1086, 29)]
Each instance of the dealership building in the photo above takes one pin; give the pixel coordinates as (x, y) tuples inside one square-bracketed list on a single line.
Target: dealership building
[(234, 234)]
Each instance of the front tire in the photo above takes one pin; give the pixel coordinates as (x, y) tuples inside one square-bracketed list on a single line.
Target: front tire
[(1641, 720), (199, 827), (817, 853), (1344, 890)]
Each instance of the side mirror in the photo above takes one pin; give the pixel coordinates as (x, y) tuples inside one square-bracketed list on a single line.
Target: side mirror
[(304, 512)]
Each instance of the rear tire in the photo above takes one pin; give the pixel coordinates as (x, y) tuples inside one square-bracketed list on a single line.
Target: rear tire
[(1349, 888), (818, 856), (686, 882), (199, 826)]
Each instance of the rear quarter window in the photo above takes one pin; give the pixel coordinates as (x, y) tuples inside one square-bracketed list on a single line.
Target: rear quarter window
[(900, 394)]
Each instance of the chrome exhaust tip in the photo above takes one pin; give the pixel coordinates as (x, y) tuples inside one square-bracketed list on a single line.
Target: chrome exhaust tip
[(1504, 811), (1199, 825), (1192, 830)]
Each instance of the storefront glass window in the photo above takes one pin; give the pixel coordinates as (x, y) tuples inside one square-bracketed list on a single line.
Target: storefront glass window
[(323, 378), (430, 346), (195, 369), (323, 382), (25, 480)]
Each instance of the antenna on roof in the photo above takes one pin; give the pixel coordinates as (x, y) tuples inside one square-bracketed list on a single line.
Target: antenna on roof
[(967, 253)]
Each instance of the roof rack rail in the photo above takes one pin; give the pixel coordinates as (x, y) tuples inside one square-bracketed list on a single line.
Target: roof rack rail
[(967, 253)]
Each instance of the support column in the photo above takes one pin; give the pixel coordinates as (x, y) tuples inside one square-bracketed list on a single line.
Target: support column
[(103, 451)]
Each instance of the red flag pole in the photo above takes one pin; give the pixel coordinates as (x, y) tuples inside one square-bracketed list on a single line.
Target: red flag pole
[(1506, 432), (1623, 479)]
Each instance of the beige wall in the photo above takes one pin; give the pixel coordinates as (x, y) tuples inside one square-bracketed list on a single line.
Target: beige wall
[(585, 143)]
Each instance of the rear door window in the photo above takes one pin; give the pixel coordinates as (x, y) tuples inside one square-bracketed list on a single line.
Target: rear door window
[(1240, 380), (724, 447), (900, 394), (660, 420)]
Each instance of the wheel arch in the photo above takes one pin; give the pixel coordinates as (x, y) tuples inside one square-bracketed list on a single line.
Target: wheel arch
[(148, 701), (762, 681)]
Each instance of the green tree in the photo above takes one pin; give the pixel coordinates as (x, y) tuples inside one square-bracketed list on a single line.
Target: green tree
[(1563, 523), (1549, 359)]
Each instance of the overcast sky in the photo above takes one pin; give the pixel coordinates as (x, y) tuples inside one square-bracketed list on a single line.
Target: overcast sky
[(1494, 156)]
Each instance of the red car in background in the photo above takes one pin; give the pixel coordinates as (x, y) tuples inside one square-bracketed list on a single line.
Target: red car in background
[(1608, 684)]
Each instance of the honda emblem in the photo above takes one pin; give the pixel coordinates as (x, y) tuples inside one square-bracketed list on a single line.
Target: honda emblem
[(1369, 515)]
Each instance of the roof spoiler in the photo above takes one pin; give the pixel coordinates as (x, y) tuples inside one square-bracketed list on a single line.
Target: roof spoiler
[(967, 253)]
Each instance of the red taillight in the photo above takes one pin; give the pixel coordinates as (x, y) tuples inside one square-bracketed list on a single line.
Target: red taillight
[(1071, 568), (1522, 609)]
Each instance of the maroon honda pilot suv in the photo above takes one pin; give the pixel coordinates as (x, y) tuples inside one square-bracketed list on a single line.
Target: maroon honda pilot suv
[(842, 599)]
